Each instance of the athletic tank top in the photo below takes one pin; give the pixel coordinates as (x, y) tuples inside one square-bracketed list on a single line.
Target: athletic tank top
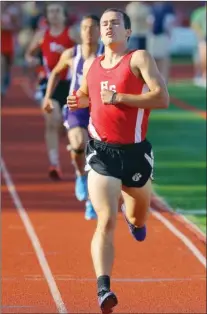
[(7, 36), (115, 124), (78, 62), (52, 48)]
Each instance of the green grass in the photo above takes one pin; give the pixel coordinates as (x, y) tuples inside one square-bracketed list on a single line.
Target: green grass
[(179, 144), (193, 95), (181, 59), (198, 220)]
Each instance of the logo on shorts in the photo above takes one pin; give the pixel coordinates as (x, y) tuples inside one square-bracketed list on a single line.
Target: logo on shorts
[(88, 158), (136, 177), (150, 159)]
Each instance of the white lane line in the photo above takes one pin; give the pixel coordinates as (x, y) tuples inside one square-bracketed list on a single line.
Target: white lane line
[(181, 236), (34, 240)]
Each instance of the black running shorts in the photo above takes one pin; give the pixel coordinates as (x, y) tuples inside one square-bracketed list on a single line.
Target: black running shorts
[(131, 163), (60, 93)]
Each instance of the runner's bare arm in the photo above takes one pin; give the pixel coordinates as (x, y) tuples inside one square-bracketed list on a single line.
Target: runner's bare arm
[(64, 62), (81, 100), (84, 85), (34, 45), (157, 97)]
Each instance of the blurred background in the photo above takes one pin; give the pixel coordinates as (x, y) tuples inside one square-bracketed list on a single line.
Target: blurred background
[(175, 34), (184, 25)]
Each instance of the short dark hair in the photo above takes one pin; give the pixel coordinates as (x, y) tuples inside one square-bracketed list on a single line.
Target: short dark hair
[(127, 21), (93, 17)]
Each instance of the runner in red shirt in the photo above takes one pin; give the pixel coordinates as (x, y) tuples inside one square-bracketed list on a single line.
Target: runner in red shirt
[(52, 41), (10, 24), (40, 71), (119, 156), (76, 122)]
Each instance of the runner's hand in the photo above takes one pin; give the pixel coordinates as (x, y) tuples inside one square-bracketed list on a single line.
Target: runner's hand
[(72, 102), (75, 102), (47, 105), (106, 96)]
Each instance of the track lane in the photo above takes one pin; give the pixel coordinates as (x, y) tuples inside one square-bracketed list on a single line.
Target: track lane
[(18, 261)]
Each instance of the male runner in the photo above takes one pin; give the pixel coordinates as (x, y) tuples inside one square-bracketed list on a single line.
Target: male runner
[(118, 155), (10, 24), (77, 122), (52, 42)]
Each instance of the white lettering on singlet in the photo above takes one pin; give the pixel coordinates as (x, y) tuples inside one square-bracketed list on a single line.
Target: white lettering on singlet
[(54, 47), (105, 86)]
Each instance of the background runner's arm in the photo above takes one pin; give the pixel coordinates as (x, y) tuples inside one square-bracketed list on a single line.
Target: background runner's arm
[(158, 96), (83, 90), (82, 94), (64, 62), (34, 46)]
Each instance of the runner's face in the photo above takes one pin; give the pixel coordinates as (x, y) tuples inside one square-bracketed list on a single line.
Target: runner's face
[(90, 31), (112, 28), (55, 14)]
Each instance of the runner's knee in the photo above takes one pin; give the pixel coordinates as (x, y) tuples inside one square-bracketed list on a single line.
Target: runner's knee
[(106, 223), (77, 141), (52, 122), (77, 151), (77, 146)]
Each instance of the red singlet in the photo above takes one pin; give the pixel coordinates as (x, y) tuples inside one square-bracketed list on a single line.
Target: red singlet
[(7, 36), (7, 43), (120, 123), (52, 48)]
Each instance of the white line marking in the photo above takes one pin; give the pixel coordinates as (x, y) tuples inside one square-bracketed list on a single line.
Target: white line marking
[(127, 280), (193, 225), (135, 280), (34, 240), (182, 216), (195, 212), (182, 237)]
